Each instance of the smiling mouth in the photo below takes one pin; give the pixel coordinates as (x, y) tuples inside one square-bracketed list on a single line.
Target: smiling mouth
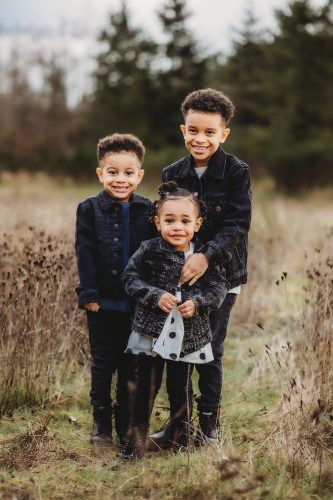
[(200, 149)]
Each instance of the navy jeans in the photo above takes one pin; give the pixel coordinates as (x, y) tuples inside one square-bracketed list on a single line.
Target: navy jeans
[(211, 374), (108, 336)]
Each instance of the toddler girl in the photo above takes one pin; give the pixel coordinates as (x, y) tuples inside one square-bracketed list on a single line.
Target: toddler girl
[(171, 323)]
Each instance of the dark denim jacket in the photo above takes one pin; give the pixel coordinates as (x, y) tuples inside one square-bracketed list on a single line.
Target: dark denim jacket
[(99, 240), (155, 269), (225, 188)]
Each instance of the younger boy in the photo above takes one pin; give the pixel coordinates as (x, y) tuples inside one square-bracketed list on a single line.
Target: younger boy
[(223, 182), (110, 227)]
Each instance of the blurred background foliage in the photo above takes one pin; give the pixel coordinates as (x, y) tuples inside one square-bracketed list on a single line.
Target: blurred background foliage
[(280, 82)]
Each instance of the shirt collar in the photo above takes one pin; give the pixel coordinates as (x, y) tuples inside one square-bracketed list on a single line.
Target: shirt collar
[(216, 165)]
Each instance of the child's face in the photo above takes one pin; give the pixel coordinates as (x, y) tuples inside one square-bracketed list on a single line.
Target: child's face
[(178, 221), (203, 132), (120, 174)]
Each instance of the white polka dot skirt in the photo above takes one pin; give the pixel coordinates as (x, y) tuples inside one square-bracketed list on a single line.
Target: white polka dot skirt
[(170, 342)]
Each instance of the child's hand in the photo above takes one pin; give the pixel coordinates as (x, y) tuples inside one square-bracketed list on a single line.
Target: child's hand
[(92, 306), (167, 301), (195, 266), (187, 310)]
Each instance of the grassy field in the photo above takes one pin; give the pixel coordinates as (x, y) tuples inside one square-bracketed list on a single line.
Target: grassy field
[(277, 431)]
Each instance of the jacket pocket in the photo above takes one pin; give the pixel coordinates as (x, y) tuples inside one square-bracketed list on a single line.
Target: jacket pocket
[(216, 204)]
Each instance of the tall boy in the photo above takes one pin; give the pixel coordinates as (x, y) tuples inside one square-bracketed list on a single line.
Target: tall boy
[(109, 229), (223, 182)]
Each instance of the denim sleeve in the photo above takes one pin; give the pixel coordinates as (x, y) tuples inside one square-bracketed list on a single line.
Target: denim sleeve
[(134, 279), (236, 221), (211, 290), (85, 248)]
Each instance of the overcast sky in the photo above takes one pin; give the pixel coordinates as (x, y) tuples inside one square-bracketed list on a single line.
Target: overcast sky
[(74, 24), (213, 20)]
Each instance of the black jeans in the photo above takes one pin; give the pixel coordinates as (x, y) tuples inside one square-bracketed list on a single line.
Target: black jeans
[(108, 336), (149, 382), (211, 374)]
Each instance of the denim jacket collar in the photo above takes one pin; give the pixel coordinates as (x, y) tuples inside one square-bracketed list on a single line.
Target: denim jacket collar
[(216, 165), (107, 201)]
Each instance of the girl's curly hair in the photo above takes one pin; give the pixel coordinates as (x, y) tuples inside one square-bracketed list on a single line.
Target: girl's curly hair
[(171, 191)]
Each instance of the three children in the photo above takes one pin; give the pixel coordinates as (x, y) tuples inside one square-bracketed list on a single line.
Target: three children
[(110, 228)]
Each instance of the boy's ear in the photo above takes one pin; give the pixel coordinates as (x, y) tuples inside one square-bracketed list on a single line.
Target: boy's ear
[(157, 222), (224, 135), (141, 174), (99, 172), (182, 128)]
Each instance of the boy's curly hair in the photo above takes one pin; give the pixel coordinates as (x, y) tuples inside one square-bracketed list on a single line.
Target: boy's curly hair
[(209, 101), (116, 143)]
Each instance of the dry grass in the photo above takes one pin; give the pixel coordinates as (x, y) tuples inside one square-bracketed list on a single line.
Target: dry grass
[(277, 423), (302, 425), (26, 450), (41, 335)]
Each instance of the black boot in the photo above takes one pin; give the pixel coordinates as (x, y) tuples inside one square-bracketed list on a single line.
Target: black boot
[(183, 438), (175, 434), (208, 430), (102, 426), (135, 447), (122, 422), (163, 439)]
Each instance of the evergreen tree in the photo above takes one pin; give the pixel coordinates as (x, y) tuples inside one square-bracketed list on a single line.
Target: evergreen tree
[(243, 77), (122, 78), (301, 109), (183, 69), (245, 73)]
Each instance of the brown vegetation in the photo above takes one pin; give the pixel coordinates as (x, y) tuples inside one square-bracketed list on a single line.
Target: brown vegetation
[(277, 419), (40, 333), (302, 427)]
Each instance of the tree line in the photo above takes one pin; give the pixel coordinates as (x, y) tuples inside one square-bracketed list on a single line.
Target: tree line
[(280, 83)]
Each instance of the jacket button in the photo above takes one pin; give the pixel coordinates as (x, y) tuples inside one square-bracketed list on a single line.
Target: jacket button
[(218, 208), (114, 272), (115, 240)]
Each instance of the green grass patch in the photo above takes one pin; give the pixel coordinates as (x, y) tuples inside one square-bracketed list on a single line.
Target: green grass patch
[(62, 464)]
